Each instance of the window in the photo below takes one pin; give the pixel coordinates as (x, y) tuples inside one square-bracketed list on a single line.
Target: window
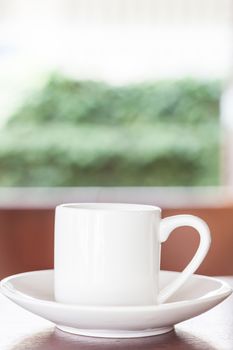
[(112, 93)]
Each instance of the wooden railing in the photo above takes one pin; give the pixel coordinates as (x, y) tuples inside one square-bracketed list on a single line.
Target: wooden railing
[(26, 230)]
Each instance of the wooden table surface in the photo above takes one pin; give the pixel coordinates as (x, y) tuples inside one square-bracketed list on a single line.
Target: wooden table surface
[(21, 330)]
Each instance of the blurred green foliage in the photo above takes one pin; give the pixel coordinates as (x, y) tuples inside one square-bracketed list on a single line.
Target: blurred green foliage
[(81, 133)]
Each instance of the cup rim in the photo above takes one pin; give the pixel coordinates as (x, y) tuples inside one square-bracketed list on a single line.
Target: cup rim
[(123, 207)]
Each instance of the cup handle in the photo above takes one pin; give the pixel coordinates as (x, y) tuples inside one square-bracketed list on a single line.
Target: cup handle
[(167, 225)]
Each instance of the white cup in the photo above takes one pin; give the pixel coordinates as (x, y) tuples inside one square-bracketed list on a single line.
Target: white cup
[(109, 254)]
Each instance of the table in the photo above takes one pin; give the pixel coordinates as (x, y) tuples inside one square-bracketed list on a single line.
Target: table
[(21, 330)]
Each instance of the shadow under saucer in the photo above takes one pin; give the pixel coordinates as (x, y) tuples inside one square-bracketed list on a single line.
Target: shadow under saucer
[(58, 340)]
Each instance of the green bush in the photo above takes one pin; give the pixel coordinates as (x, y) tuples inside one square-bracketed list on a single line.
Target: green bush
[(68, 101), (74, 133)]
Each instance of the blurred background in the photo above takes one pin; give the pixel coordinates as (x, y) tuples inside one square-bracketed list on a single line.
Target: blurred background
[(115, 101)]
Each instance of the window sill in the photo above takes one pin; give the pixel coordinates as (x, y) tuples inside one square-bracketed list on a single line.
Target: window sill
[(165, 197)]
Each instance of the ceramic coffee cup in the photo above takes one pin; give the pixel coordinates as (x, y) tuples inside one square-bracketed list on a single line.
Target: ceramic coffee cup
[(109, 254)]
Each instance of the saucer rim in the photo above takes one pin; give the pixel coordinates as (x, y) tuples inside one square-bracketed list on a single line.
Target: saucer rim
[(12, 293)]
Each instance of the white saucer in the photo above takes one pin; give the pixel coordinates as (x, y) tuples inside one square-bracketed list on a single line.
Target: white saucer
[(34, 292)]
